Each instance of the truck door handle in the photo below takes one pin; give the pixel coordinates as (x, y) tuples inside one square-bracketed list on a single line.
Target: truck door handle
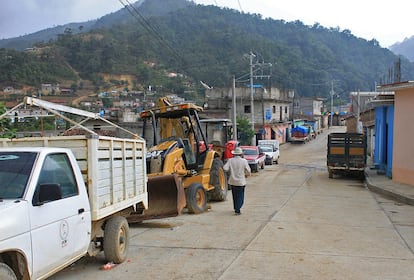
[(81, 210)]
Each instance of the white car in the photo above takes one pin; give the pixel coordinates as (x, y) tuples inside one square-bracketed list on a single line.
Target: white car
[(272, 154)]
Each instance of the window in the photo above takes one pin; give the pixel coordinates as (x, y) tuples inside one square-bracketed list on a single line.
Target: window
[(15, 169), (57, 169), (274, 109), (281, 113), (247, 109)]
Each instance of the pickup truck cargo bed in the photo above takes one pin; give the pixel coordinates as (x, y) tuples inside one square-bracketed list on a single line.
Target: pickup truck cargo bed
[(113, 168)]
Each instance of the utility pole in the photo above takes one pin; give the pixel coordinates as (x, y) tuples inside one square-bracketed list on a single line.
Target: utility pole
[(359, 124), (252, 98), (332, 94), (234, 116)]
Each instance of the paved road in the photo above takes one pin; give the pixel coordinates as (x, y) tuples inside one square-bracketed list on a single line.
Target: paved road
[(296, 224)]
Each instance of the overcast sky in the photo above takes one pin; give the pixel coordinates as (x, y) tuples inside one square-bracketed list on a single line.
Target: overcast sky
[(386, 21)]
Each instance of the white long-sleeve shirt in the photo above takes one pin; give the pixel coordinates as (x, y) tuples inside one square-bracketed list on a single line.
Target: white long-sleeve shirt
[(238, 167)]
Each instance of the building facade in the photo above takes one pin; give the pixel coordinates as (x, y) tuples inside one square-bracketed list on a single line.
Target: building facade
[(394, 133), (270, 111)]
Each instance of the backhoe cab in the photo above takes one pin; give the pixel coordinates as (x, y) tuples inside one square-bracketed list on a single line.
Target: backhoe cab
[(180, 159)]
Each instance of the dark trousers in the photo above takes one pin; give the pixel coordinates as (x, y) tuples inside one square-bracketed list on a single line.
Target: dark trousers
[(238, 197)]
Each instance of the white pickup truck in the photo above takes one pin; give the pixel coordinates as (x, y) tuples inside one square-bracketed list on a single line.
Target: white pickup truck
[(50, 218), (271, 149), (65, 197)]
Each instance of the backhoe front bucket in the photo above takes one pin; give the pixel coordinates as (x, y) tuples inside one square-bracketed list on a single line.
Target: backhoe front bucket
[(166, 198)]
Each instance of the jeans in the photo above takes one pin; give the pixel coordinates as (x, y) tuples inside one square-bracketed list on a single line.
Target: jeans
[(238, 197)]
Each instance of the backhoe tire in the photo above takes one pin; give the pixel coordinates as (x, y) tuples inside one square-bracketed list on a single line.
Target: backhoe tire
[(196, 198), (218, 179), (6, 272), (116, 239)]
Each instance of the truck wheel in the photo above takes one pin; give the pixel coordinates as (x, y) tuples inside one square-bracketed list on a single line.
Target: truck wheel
[(196, 198), (218, 179), (6, 272), (330, 173), (262, 165), (116, 239), (277, 161)]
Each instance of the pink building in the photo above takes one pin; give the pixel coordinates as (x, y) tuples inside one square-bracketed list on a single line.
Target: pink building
[(403, 150)]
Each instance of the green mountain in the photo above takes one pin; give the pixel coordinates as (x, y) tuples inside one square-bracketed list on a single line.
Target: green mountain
[(404, 48), (207, 43)]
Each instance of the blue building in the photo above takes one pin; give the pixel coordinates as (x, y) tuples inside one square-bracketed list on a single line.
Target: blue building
[(384, 133)]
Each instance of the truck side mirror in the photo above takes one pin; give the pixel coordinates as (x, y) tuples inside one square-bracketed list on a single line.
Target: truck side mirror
[(46, 193)]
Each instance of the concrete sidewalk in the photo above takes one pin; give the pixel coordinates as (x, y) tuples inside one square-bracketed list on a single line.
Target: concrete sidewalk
[(381, 184)]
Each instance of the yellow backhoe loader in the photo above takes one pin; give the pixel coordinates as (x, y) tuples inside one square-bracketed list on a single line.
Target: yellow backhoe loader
[(179, 160)]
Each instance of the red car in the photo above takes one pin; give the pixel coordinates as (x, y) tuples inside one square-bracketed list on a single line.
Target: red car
[(255, 157)]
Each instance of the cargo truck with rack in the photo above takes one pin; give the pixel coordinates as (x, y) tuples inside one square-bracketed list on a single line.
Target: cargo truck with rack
[(346, 154)]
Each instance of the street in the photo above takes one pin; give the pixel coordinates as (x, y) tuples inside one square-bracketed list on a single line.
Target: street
[(296, 224)]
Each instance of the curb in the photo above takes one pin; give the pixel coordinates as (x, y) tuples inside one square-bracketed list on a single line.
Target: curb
[(388, 192)]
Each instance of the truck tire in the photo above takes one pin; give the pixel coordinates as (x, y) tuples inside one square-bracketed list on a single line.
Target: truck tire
[(116, 239), (277, 161), (361, 175), (218, 179), (330, 172), (6, 272), (262, 165), (196, 198)]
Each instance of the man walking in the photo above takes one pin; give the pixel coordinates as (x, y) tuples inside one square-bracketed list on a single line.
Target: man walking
[(238, 168)]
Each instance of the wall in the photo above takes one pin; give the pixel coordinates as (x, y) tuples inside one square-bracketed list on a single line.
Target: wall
[(270, 106), (275, 131), (403, 152)]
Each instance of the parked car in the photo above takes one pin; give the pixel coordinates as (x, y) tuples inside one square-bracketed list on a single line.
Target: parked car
[(254, 157), (272, 154)]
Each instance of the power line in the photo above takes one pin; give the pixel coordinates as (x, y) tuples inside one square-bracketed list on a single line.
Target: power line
[(241, 10), (150, 29), (183, 64)]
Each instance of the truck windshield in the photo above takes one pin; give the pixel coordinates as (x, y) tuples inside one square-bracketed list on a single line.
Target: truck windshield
[(15, 169), (266, 148)]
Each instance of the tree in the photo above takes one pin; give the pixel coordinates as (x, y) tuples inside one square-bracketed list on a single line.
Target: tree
[(6, 130), (107, 102), (244, 130)]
